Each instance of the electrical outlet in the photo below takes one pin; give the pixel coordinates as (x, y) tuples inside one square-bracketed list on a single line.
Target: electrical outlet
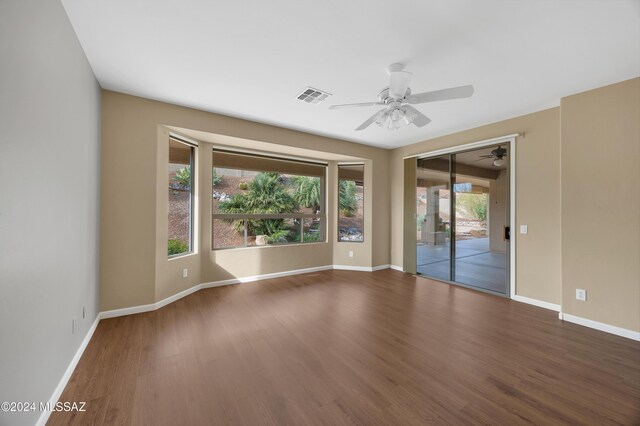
[(350, 253), (524, 229), (185, 273), (581, 294)]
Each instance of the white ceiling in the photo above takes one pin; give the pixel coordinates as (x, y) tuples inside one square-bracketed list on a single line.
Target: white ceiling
[(250, 59), (230, 142)]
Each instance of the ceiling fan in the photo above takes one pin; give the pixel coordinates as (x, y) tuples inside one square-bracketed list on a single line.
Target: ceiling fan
[(397, 100), (497, 154)]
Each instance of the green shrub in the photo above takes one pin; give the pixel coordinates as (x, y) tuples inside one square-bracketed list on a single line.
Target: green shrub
[(176, 247), (278, 237), (183, 177), (474, 204), (215, 178), (243, 185), (347, 198), (311, 237)]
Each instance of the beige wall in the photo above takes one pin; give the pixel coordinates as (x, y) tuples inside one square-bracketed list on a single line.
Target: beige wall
[(538, 266), (498, 209), (134, 266), (601, 204)]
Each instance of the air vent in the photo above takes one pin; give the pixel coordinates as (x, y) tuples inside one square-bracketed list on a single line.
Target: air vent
[(313, 96)]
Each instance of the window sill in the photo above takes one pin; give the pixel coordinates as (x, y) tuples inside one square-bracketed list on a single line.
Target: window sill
[(181, 255), (270, 246)]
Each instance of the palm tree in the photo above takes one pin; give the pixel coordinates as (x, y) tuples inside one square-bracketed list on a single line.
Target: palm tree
[(307, 192), (347, 202), (266, 194)]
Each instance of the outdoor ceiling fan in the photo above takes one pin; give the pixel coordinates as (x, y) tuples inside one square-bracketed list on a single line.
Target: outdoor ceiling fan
[(397, 100), (497, 154)]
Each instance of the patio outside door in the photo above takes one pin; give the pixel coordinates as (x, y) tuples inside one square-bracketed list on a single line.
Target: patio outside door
[(462, 206)]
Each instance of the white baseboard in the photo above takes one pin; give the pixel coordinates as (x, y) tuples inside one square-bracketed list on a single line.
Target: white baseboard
[(153, 306), (266, 276), (44, 416), (221, 283), (618, 331), (359, 268), (536, 302), (129, 311), (380, 268), (177, 296), (396, 268)]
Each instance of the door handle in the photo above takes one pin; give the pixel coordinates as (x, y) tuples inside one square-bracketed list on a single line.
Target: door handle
[(506, 233)]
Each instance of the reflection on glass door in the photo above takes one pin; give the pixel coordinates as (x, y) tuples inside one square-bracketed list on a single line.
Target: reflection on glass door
[(463, 218), (481, 211), (433, 217)]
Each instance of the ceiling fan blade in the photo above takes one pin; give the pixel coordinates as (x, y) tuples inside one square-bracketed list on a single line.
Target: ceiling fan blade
[(486, 156), (399, 84), (420, 119), (441, 95), (363, 104), (369, 122)]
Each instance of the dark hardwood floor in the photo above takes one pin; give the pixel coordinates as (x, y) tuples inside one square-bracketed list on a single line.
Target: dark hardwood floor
[(341, 347)]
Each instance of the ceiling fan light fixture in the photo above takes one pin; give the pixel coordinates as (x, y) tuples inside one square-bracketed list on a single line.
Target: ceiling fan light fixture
[(382, 118), (499, 162), (394, 122), (408, 116)]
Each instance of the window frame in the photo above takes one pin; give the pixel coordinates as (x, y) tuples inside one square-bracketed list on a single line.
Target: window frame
[(193, 146), (246, 217)]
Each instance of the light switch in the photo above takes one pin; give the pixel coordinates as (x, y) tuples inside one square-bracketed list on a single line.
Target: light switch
[(524, 229)]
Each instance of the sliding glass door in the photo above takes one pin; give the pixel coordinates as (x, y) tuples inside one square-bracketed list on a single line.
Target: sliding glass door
[(433, 217), (462, 210)]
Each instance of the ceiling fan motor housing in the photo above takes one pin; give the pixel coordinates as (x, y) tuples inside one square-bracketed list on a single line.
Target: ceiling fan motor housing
[(499, 152), (383, 96)]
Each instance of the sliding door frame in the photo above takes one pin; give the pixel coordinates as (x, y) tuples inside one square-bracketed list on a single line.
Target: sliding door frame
[(511, 140)]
